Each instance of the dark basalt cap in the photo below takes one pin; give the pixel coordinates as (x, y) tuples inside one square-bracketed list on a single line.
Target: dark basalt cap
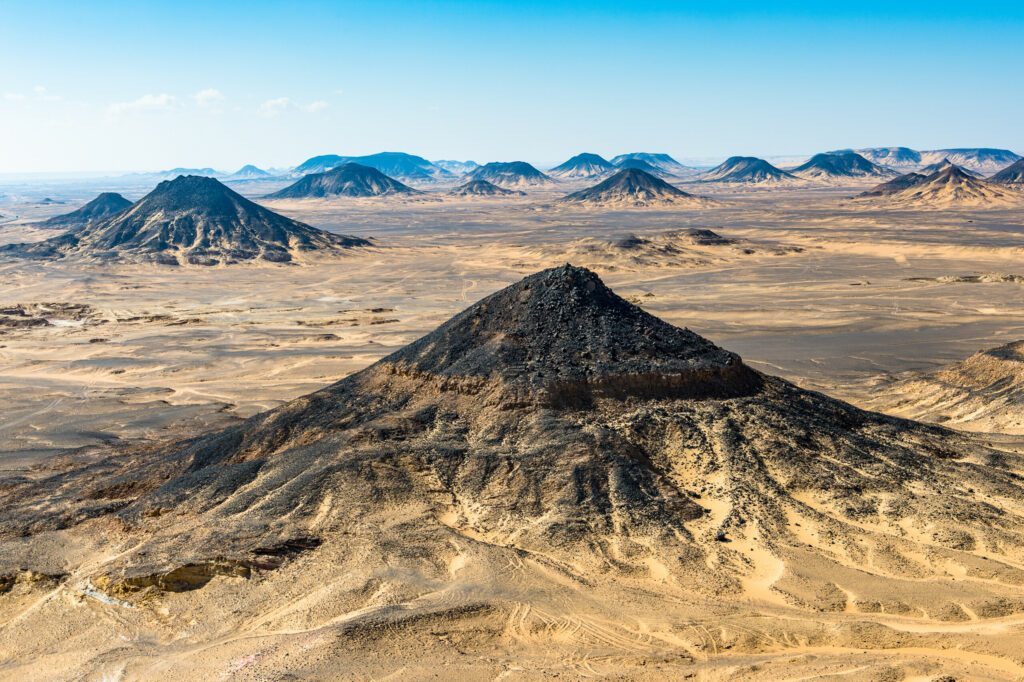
[(562, 330)]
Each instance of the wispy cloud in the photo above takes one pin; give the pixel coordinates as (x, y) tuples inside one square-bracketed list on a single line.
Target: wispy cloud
[(159, 102), (39, 93), (273, 107), (208, 97)]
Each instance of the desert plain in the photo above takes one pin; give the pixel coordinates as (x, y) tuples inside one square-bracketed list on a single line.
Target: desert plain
[(860, 302)]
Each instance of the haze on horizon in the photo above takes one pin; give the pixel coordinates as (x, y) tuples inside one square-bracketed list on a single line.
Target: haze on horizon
[(130, 86)]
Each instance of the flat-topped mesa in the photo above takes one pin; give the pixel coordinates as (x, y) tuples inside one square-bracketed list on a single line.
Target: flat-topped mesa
[(561, 337)]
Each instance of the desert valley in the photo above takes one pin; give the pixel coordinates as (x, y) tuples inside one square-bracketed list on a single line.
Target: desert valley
[(379, 417)]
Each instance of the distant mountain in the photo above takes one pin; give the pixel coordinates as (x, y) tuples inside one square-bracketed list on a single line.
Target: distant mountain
[(347, 180), (175, 172), (249, 172), (943, 165), (951, 186), (318, 164), (892, 157), (582, 166), (193, 218), (457, 167), (1011, 175), (398, 165), (663, 162), (981, 159), (104, 206), (641, 165), (482, 188), (750, 170), (839, 166), (510, 174), (632, 188)]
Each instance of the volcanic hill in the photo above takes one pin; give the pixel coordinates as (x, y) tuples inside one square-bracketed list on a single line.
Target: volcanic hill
[(509, 174), (633, 188), (663, 162), (838, 167), (1011, 175), (582, 166), (347, 180), (248, 172), (482, 188), (749, 170), (398, 165), (191, 218), (540, 473), (104, 206), (952, 186)]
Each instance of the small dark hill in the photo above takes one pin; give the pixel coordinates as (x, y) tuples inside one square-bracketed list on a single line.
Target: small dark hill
[(347, 180), (838, 166), (895, 185), (482, 188), (663, 162), (632, 188), (750, 170), (193, 218), (106, 205), (510, 174), (582, 166)]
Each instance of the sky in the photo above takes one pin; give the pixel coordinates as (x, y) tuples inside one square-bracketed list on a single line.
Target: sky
[(121, 86)]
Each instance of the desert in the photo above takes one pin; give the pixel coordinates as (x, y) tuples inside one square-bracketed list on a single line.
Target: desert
[(511, 341)]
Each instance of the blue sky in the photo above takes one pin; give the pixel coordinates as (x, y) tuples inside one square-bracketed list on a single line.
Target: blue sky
[(147, 85)]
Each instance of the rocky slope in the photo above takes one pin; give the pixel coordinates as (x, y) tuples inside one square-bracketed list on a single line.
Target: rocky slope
[(1011, 175), (517, 488), (399, 165), (194, 220)]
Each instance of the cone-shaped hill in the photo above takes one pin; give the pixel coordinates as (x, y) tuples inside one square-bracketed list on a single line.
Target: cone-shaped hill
[(104, 206), (195, 219), (894, 186), (509, 174), (951, 186), (482, 188), (582, 166), (249, 172), (633, 188), (632, 163), (663, 162), (1011, 175), (838, 167), (554, 433), (748, 170), (347, 180), (943, 165)]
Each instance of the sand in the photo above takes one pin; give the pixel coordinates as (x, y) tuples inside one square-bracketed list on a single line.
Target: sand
[(831, 295)]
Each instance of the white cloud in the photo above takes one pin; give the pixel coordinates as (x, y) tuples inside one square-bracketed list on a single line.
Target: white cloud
[(208, 97), (273, 107), (159, 102), (14, 96), (316, 107)]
